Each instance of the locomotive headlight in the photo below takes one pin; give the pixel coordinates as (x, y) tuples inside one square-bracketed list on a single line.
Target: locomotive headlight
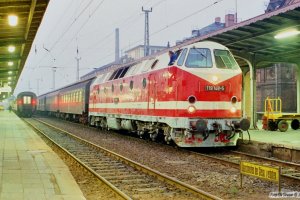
[(215, 78), (191, 109), (233, 109), (233, 100)]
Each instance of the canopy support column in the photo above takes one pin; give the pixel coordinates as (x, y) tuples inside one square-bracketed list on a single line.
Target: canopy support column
[(298, 87), (249, 98)]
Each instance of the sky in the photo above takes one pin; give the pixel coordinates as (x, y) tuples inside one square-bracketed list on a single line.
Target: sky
[(89, 26)]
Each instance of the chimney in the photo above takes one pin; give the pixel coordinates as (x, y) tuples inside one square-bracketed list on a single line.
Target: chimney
[(217, 19), (229, 20), (117, 47)]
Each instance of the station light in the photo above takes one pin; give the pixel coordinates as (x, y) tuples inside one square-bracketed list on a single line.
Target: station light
[(12, 20), (10, 72), (11, 48), (286, 34), (10, 63), (8, 82), (9, 78)]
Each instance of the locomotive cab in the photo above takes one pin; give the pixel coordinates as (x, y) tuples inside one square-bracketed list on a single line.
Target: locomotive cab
[(213, 96)]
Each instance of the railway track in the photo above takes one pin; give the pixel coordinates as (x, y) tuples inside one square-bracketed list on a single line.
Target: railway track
[(128, 179), (290, 172)]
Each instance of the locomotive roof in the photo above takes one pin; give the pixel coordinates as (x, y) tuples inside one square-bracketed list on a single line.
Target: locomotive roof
[(114, 66)]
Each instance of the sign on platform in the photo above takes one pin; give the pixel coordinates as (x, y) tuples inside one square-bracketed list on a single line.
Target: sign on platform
[(260, 171)]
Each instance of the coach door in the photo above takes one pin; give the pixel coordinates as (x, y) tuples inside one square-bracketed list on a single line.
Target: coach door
[(152, 93)]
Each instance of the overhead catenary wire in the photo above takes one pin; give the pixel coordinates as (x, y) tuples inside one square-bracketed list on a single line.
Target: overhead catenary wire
[(129, 20), (66, 30), (169, 25), (81, 27)]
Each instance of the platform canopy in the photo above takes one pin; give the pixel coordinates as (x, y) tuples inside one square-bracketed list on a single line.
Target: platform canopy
[(19, 22), (255, 38)]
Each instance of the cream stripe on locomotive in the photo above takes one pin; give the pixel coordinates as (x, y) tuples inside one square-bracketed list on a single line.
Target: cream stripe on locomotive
[(200, 105)]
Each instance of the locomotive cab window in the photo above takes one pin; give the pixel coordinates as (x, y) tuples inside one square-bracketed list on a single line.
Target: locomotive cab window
[(181, 57), (224, 59), (198, 58)]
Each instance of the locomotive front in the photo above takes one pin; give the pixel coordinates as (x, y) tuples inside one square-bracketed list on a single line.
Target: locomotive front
[(209, 84)]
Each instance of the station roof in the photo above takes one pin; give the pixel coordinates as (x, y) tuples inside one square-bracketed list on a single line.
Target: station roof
[(254, 38), (21, 36)]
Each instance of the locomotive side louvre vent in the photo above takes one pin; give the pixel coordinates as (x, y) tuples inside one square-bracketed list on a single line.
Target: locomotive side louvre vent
[(119, 73), (154, 64)]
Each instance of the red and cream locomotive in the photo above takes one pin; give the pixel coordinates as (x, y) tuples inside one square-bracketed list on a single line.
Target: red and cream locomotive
[(194, 102)]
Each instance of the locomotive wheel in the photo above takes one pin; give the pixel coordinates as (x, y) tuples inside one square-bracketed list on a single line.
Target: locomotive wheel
[(272, 125), (295, 124), (283, 126)]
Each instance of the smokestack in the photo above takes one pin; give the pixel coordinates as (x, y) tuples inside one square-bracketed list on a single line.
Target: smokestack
[(117, 47)]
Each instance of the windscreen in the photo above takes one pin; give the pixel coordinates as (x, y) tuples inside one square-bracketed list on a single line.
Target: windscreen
[(198, 58), (224, 60)]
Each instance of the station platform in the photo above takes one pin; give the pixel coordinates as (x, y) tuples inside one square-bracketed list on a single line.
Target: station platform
[(282, 145), (29, 168)]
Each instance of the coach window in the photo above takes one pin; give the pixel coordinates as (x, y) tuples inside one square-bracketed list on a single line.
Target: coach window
[(80, 95), (198, 58), (182, 57), (112, 88), (76, 97), (105, 90)]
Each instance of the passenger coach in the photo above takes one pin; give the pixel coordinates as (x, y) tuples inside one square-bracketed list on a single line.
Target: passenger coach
[(26, 104)]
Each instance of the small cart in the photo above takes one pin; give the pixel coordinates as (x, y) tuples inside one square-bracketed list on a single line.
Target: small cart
[(274, 119)]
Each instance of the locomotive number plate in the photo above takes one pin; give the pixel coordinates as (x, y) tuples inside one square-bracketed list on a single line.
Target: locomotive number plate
[(217, 88)]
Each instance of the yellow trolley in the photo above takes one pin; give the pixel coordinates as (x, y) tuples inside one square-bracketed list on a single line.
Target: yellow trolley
[(274, 119)]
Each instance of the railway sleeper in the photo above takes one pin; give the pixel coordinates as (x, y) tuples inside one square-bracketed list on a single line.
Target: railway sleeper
[(109, 171), (113, 173), (132, 181), (115, 165), (126, 177), (103, 163), (143, 185), (151, 189)]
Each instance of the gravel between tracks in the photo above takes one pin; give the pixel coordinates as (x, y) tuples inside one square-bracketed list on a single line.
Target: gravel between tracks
[(203, 173)]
